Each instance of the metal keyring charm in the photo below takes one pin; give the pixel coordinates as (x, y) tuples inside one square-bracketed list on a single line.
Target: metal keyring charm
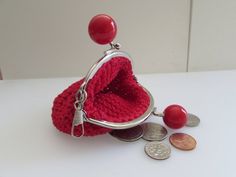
[(81, 96)]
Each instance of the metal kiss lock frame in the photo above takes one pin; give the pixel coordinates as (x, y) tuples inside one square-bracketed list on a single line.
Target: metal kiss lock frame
[(102, 29), (81, 95)]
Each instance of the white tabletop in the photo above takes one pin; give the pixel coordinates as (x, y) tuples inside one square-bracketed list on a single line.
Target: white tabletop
[(31, 146)]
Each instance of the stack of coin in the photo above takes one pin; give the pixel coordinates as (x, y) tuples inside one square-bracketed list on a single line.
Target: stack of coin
[(155, 134)]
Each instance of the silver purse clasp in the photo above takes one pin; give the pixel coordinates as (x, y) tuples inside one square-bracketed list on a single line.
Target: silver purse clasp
[(81, 95)]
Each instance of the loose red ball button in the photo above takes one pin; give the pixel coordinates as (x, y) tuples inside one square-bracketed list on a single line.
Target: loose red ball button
[(102, 29), (175, 116)]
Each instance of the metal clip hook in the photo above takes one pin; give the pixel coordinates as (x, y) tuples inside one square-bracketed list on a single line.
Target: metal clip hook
[(78, 120), (79, 115)]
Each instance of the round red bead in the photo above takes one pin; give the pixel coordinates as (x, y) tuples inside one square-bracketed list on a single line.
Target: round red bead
[(102, 29), (175, 116)]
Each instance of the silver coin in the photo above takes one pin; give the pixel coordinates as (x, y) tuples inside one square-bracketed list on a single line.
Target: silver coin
[(153, 131), (192, 120), (157, 150), (128, 135)]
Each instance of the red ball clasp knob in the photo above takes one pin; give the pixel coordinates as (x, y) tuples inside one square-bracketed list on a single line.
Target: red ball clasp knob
[(175, 116), (102, 29)]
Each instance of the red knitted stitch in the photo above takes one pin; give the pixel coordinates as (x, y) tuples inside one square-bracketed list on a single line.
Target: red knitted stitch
[(113, 95)]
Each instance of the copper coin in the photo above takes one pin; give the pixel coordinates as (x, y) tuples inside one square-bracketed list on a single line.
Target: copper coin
[(129, 135), (183, 141)]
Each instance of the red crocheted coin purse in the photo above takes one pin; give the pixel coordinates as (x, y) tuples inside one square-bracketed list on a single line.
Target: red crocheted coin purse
[(112, 95)]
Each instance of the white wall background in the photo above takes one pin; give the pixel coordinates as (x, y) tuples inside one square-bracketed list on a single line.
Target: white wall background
[(48, 38), (213, 35)]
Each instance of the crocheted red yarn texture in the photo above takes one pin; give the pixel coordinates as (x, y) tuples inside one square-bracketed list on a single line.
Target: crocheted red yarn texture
[(113, 95)]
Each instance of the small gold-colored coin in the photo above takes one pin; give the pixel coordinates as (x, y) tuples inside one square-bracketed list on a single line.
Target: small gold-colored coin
[(183, 141)]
